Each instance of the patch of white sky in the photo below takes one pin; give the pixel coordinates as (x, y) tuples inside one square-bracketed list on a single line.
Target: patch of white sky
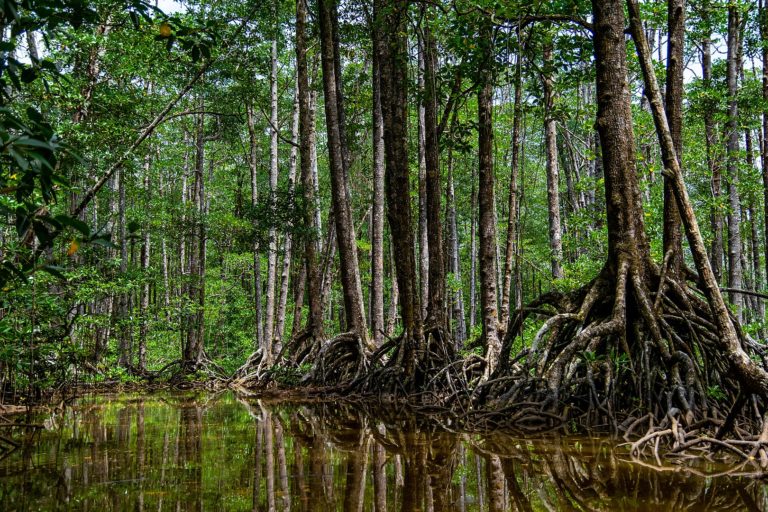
[(170, 6)]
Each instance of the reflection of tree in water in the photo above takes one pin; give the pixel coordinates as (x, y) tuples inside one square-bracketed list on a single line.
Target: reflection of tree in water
[(512, 474), (190, 455), (190, 461)]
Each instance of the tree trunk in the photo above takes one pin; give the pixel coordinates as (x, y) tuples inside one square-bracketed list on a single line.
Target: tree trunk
[(345, 230), (716, 217), (377, 214), (436, 304), (288, 241), (253, 165), (193, 352), (764, 145), (460, 330), (145, 288), (314, 287), (124, 355), (507, 302), (486, 202), (553, 173), (391, 18), (269, 322), (673, 238), (735, 272), (423, 236)]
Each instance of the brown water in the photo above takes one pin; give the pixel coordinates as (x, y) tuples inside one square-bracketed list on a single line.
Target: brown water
[(206, 452)]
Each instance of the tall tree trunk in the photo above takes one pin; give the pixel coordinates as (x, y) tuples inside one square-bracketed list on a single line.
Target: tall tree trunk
[(486, 202), (269, 322), (145, 288), (673, 237), (345, 231), (288, 241), (124, 355), (314, 287), (473, 254), (193, 352), (377, 214), (735, 272), (436, 305), (764, 145), (460, 330), (253, 165), (391, 18), (507, 301), (716, 216), (553, 172), (423, 236)]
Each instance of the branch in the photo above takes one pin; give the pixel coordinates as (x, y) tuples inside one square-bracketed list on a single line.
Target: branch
[(161, 116)]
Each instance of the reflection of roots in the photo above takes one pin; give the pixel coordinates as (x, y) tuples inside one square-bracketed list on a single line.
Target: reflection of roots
[(617, 350)]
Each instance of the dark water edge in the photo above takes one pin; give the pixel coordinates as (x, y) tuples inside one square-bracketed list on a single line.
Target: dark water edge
[(168, 452)]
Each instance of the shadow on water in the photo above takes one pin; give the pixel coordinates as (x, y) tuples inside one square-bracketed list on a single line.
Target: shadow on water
[(205, 452)]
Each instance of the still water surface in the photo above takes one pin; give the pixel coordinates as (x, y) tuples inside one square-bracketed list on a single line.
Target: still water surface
[(214, 452)]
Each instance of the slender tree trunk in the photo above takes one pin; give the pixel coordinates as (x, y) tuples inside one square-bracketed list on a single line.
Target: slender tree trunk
[(124, 356), (735, 272), (288, 241), (764, 145), (253, 165), (473, 254), (716, 217), (673, 237), (553, 172), (193, 352), (269, 323), (377, 214), (436, 265), (308, 182), (145, 288), (486, 203), (345, 230), (423, 236), (510, 259), (391, 17), (460, 330)]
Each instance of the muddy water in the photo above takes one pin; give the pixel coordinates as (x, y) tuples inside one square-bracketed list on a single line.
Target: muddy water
[(205, 452)]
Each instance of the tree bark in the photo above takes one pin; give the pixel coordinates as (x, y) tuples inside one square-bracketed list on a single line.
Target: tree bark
[(510, 267), (735, 272), (253, 165), (764, 145), (391, 19), (345, 230), (716, 217), (193, 352), (553, 172), (269, 322), (673, 238), (288, 240), (377, 214), (436, 304), (486, 202), (460, 329), (314, 286)]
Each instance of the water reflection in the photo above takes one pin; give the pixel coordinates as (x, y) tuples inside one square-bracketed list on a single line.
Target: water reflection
[(203, 452)]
